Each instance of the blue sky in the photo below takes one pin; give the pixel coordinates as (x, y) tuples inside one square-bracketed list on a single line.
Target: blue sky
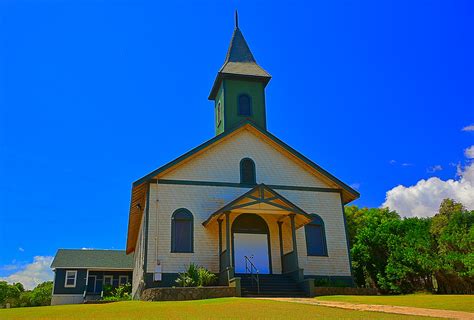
[(95, 94)]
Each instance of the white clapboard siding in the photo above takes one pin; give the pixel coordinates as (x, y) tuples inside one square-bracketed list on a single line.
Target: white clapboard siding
[(204, 200), (221, 164)]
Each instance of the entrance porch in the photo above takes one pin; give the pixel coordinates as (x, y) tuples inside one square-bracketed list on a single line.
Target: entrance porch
[(257, 237)]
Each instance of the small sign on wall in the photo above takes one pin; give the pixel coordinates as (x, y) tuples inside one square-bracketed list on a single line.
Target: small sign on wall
[(158, 272)]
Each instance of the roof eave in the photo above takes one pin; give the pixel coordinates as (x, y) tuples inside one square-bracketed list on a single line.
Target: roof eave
[(223, 75)]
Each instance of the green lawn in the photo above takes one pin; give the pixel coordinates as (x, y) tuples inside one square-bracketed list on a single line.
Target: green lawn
[(431, 301), (225, 308)]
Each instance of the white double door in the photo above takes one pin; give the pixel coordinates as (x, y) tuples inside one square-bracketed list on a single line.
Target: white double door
[(253, 246)]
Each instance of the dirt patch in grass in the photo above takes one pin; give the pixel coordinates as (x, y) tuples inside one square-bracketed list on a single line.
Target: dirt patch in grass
[(399, 310), (430, 301)]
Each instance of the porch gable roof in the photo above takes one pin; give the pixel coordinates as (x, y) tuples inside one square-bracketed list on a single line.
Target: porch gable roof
[(262, 200)]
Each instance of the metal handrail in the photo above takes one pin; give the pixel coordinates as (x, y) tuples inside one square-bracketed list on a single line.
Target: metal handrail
[(249, 267)]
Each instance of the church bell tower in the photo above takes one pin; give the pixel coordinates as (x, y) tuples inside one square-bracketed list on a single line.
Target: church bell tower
[(239, 88)]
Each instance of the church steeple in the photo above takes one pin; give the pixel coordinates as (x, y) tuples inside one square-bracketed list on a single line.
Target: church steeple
[(239, 88)]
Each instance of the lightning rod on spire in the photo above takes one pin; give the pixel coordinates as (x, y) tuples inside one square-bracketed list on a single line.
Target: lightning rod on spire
[(236, 19)]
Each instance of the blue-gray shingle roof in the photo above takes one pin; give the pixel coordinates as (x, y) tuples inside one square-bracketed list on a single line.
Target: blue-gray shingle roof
[(239, 62), (89, 259)]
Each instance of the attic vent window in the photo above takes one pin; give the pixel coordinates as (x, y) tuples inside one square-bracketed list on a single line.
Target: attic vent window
[(245, 107), (247, 171)]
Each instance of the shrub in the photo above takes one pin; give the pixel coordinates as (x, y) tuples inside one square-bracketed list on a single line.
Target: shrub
[(196, 276), (41, 295), (121, 293), (107, 290)]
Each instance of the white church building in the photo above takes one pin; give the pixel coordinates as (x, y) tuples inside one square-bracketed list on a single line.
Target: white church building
[(242, 202)]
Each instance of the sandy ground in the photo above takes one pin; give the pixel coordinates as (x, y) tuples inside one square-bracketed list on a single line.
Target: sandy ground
[(450, 314)]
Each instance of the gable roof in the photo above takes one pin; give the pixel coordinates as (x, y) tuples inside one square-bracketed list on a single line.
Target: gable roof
[(139, 187), (249, 124), (92, 259), (239, 62), (262, 199)]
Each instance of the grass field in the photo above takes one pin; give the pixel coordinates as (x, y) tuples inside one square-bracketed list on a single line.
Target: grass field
[(225, 308), (431, 301)]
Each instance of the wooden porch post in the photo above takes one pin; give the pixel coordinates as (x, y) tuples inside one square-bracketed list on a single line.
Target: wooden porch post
[(281, 243), (227, 236), (293, 234), (220, 243)]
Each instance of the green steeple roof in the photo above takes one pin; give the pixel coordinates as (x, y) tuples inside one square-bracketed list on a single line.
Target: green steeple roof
[(239, 63)]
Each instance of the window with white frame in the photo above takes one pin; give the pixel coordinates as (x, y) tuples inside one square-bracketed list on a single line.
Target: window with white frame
[(70, 281), (108, 280), (123, 280)]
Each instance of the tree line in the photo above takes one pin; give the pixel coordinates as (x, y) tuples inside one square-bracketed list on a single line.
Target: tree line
[(15, 295), (404, 255)]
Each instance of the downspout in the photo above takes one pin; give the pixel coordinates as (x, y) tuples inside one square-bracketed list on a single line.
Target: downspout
[(146, 222)]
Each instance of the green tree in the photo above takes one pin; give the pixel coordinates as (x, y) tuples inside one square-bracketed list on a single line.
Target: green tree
[(25, 299), (410, 261), (41, 295), (453, 232), (9, 293), (403, 255), (3, 292), (369, 247), (20, 286)]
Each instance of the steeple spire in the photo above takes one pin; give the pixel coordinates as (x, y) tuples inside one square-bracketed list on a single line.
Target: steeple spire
[(239, 89), (236, 19), (239, 62)]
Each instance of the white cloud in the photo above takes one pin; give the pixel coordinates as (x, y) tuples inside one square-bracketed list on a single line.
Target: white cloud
[(355, 185), (21, 249), (423, 199), (435, 168), (468, 128), (403, 164), (469, 152), (32, 274), (10, 267)]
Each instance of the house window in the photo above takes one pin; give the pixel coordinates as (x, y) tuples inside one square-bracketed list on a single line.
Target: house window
[(182, 231), (123, 280), (108, 280), (70, 281), (247, 171), (245, 106), (316, 237)]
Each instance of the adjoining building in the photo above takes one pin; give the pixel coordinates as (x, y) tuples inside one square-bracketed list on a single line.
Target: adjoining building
[(80, 275)]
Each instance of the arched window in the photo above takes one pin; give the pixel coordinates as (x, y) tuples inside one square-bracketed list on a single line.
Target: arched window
[(247, 171), (245, 106), (219, 113), (316, 237), (182, 231)]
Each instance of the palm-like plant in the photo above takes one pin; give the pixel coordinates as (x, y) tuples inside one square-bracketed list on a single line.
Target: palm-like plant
[(196, 276)]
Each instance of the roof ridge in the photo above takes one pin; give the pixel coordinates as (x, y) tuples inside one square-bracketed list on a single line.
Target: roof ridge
[(66, 249)]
